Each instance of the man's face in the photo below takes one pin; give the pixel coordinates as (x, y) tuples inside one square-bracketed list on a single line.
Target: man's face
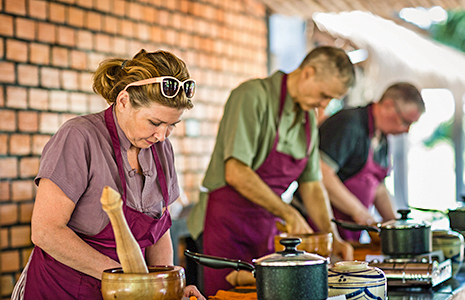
[(313, 92), (398, 117)]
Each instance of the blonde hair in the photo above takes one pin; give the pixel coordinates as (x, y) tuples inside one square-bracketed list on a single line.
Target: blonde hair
[(112, 76)]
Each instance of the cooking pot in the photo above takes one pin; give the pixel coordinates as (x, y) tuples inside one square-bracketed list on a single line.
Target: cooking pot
[(161, 283), (456, 216), (286, 275), (398, 237)]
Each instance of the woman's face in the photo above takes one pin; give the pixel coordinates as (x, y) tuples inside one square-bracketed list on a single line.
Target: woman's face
[(146, 126)]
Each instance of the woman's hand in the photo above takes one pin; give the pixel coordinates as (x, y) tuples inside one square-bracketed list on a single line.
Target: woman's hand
[(191, 290)]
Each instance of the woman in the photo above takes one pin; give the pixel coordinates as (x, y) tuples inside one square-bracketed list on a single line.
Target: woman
[(124, 147)]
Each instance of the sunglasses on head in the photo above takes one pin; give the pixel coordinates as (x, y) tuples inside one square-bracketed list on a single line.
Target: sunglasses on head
[(170, 86)]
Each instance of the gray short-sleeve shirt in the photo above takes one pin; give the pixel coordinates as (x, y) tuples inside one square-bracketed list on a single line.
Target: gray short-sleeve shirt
[(80, 159)]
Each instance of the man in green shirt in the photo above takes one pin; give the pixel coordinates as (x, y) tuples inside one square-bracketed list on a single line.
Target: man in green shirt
[(268, 138)]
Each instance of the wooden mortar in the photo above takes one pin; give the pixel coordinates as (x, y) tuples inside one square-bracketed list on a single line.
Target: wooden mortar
[(134, 280)]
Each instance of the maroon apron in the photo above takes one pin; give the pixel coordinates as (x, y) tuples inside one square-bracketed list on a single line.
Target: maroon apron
[(237, 228), (363, 185), (49, 279)]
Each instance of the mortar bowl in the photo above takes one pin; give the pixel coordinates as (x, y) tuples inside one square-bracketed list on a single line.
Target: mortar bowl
[(161, 283)]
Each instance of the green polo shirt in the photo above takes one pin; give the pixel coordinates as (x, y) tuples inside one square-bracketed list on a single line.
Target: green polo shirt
[(247, 132)]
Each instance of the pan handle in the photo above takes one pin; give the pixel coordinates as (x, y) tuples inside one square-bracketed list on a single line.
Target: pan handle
[(218, 262), (355, 227)]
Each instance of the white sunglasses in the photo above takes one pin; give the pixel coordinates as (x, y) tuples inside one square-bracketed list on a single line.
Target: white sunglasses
[(170, 86)]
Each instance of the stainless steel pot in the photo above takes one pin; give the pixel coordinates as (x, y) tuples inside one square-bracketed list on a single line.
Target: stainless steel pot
[(286, 275), (399, 237)]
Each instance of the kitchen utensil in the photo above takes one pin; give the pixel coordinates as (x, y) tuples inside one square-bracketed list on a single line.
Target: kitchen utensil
[(161, 283), (456, 216), (319, 243), (398, 237), (285, 275), (356, 280), (452, 245), (134, 280)]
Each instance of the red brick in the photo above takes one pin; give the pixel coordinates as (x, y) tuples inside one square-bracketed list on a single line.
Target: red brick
[(8, 168), (59, 100), (76, 17), (127, 28), (142, 31), (48, 122), (69, 80), (50, 78), (22, 190), (37, 9), (4, 190), (60, 57), (84, 3), (20, 144), (25, 29), (57, 12), (2, 97), (39, 54), (28, 167), (85, 82), (25, 212), (84, 40), (28, 121), (97, 103), (17, 7), (7, 120), (78, 103), (94, 60), (46, 33), (102, 43), (110, 24), (28, 75), (150, 15), (134, 11), (66, 36), (2, 53), (38, 99), (120, 46), (78, 60), (94, 21), (10, 260), (21, 236), (3, 145), (16, 97), (6, 25), (7, 72), (119, 7), (16, 50), (102, 5), (66, 117), (38, 143), (4, 243)]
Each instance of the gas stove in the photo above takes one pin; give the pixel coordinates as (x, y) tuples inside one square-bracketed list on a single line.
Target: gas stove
[(423, 270)]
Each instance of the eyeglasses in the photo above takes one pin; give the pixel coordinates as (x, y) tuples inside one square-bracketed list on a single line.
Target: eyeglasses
[(170, 86), (404, 121)]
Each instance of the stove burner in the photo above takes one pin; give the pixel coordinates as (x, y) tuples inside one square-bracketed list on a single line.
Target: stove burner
[(428, 269)]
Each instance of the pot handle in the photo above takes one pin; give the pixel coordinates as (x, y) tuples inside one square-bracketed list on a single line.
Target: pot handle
[(355, 227), (218, 262)]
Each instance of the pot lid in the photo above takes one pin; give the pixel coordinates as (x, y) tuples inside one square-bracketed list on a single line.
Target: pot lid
[(290, 256), (404, 222)]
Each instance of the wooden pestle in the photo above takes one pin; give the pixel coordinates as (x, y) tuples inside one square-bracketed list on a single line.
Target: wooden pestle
[(127, 248)]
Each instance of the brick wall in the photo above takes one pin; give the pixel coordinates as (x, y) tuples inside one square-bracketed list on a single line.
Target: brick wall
[(49, 48)]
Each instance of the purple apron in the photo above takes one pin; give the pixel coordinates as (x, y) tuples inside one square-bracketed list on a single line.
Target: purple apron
[(363, 185), (49, 279), (237, 228)]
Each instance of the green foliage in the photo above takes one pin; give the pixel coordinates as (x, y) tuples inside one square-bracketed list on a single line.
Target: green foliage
[(452, 31)]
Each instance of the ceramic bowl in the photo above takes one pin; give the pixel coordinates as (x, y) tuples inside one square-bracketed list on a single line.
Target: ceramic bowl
[(356, 280), (452, 245), (319, 243)]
